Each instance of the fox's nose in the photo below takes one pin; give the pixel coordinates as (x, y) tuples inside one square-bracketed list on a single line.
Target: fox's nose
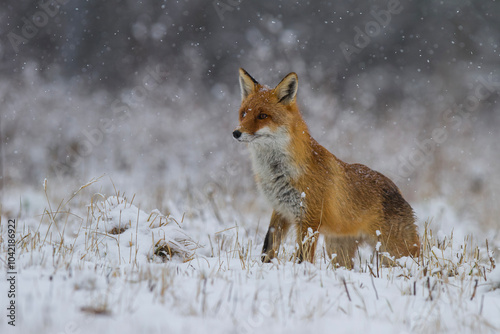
[(236, 134)]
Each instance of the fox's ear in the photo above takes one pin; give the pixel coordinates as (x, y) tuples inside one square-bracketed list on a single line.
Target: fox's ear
[(287, 89), (247, 84)]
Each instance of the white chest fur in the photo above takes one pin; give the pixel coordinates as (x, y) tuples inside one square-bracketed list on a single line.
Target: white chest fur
[(275, 172)]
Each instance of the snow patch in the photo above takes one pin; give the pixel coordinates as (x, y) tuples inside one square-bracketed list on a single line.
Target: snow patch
[(123, 232)]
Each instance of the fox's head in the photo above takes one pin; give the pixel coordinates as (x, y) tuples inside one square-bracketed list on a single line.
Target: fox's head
[(266, 114)]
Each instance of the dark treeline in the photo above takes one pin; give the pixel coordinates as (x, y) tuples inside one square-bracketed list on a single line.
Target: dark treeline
[(334, 44)]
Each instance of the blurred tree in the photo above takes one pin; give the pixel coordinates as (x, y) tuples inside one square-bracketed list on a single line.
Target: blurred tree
[(105, 43)]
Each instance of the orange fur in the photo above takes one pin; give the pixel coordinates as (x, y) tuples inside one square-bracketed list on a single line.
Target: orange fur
[(310, 188)]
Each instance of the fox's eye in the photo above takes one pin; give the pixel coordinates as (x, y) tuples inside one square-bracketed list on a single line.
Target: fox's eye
[(243, 114), (262, 116)]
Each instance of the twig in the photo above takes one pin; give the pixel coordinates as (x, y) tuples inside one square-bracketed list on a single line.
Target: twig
[(374, 288), (481, 307), (227, 229), (492, 261), (429, 287), (474, 292), (346, 290), (89, 183), (371, 271)]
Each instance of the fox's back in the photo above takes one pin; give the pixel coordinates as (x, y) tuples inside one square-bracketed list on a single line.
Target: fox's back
[(349, 199)]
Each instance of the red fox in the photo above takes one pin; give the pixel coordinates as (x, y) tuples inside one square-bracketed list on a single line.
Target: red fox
[(311, 189)]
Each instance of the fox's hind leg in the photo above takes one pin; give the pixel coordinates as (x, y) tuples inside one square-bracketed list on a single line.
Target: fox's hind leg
[(399, 237), (278, 228), (398, 232)]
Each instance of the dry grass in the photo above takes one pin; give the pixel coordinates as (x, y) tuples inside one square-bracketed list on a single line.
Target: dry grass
[(230, 279)]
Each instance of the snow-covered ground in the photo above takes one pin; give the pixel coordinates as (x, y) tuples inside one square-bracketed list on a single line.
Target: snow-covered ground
[(97, 263)]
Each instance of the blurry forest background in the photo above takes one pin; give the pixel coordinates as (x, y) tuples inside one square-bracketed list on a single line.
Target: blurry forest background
[(147, 93)]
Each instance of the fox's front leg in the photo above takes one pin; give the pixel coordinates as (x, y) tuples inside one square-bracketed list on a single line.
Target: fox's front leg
[(306, 241), (278, 227)]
